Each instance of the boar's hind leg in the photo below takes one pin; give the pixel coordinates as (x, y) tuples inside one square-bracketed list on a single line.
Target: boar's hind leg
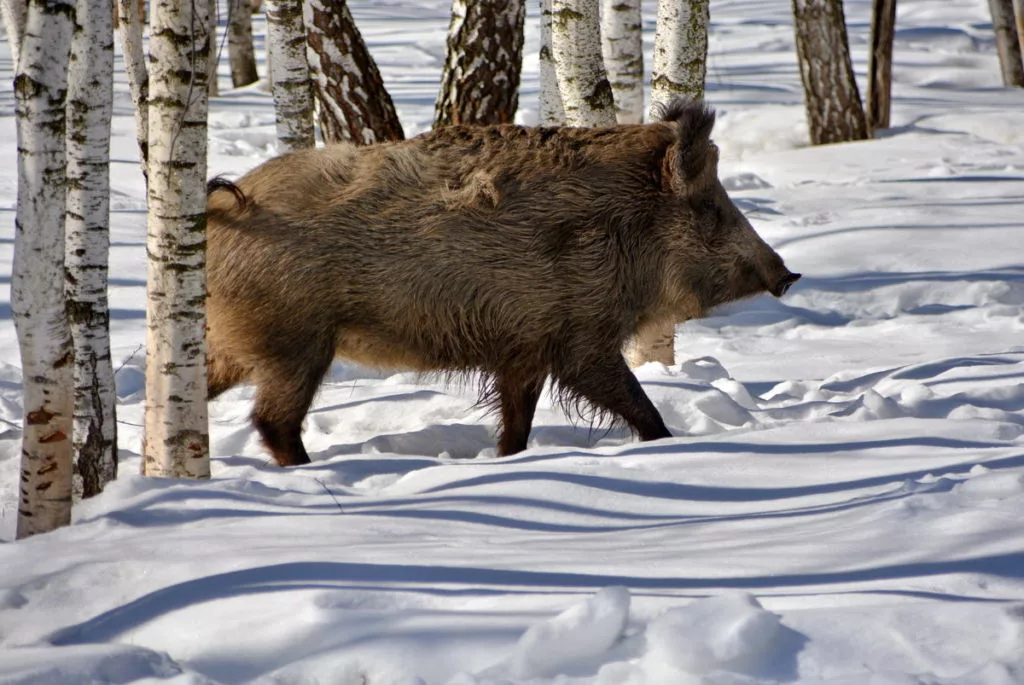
[(611, 386), (518, 403), (285, 387)]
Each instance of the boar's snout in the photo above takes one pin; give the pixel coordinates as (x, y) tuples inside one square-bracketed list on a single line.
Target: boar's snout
[(784, 283)]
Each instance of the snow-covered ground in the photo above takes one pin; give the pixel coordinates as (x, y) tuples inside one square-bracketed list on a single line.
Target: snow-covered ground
[(843, 504)]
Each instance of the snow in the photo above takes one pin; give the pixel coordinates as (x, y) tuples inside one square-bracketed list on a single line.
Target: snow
[(842, 504)]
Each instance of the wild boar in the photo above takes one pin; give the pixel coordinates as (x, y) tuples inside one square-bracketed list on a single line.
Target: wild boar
[(514, 251)]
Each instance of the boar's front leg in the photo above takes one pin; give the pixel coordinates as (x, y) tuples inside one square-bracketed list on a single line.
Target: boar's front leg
[(609, 385), (518, 403)]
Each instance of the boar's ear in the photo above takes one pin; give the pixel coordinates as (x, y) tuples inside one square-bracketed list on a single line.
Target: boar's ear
[(694, 153)]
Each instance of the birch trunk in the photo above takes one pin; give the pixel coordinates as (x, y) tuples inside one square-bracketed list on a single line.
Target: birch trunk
[(576, 50), (15, 12), (289, 75), (680, 52), (551, 112), (130, 23), (37, 278), (241, 53), (87, 244), (354, 105), (1007, 42), (212, 85), (480, 82), (1018, 13), (834, 110), (883, 31), (176, 427), (623, 49)]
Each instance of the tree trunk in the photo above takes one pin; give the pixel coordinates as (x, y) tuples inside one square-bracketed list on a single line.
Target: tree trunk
[(576, 50), (37, 278), (240, 50), (550, 105), (680, 52), (87, 244), (289, 75), (623, 49), (176, 440), (1007, 42), (834, 110), (480, 83), (354, 105), (1018, 13), (212, 84), (883, 28), (14, 12), (130, 21)]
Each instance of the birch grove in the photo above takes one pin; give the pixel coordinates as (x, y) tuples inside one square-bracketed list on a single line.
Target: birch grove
[(289, 75), (37, 279), (551, 111), (576, 50), (353, 103), (834, 110), (176, 428), (623, 49), (680, 52), (87, 243), (480, 82)]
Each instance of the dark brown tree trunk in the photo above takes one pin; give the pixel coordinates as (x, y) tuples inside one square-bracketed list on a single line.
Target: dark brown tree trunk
[(1007, 42), (883, 28), (480, 83), (1018, 11), (353, 103), (834, 110), (240, 50)]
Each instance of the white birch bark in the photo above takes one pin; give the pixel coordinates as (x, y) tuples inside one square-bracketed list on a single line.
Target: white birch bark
[(14, 12), (176, 427), (130, 24), (623, 49), (241, 53), (289, 75), (87, 244), (551, 112), (37, 279), (680, 52), (576, 49)]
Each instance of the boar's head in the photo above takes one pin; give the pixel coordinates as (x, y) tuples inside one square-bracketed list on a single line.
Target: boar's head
[(713, 254)]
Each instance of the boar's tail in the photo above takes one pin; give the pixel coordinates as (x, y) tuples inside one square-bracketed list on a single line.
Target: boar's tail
[(220, 183)]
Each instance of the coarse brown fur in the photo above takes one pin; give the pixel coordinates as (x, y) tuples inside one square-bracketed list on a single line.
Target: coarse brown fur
[(515, 251)]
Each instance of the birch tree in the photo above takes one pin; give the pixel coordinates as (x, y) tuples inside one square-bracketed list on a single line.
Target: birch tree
[(353, 103), (37, 278), (176, 428), (131, 23), (15, 13), (480, 82), (834, 110), (576, 50), (289, 75), (680, 52), (623, 49), (550, 105), (212, 84), (87, 244), (241, 53), (883, 32), (1007, 42)]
